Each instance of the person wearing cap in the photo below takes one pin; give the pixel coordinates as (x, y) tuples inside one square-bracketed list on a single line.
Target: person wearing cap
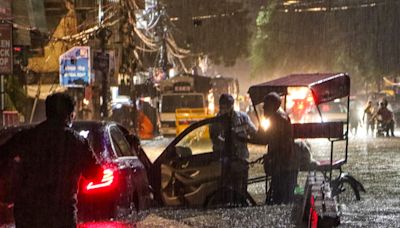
[(50, 158), (280, 161), (235, 165)]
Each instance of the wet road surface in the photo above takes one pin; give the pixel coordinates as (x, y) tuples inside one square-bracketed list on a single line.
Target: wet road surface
[(375, 162)]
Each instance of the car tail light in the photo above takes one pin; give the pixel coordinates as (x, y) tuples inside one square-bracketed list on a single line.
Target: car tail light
[(107, 181)]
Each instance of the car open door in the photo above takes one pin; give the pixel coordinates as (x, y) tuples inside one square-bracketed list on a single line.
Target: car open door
[(188, 170)]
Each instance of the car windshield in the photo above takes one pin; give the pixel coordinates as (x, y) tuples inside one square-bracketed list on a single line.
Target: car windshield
[(172, 102)]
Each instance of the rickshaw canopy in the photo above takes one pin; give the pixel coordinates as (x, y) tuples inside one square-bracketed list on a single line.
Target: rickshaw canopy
[(325, 87)]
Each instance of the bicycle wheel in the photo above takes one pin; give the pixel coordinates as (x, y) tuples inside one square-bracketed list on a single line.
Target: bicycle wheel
[(346, 191)]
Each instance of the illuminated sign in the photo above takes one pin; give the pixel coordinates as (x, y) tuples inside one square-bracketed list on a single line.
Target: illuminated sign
[(182, 87), (75, 67)]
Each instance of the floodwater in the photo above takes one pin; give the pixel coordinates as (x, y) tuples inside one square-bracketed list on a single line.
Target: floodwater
[(375, 162)]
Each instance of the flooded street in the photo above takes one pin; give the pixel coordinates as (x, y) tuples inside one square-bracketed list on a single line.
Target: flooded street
[(375, 162)]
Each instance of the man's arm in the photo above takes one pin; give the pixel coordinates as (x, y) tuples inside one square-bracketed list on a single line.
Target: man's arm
[(260, 137), (251, 127), (10, 148)]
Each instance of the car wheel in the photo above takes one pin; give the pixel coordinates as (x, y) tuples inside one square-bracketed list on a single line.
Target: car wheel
[(127, 207)]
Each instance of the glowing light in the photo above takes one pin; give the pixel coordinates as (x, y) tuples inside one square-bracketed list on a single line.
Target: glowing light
[(107, 180), (265, 123), (211, 106), (84, 134), (104, 224), (146, 99), (298, 92), (290, 2)]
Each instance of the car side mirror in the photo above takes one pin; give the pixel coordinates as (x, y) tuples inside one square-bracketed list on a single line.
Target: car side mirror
[(183, 152)]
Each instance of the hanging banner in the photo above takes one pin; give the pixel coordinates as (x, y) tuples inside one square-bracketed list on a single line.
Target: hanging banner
[(6, 49)]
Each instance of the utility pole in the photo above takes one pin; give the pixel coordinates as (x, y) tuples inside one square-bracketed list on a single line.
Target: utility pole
[(103, 35), (162, 34)]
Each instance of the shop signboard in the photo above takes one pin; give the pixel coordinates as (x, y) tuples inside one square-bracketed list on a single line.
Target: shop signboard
[(6, 49), (75, 67)]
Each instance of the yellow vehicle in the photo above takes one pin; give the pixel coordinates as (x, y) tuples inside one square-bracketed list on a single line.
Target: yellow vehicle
[(190, 98), (187, 116)]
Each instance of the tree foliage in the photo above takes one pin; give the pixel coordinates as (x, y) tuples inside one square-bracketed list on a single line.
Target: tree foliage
[(218, 29), (360, 40)]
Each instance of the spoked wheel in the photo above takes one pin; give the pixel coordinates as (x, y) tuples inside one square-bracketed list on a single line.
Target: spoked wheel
[(227, 197), (346, 191)]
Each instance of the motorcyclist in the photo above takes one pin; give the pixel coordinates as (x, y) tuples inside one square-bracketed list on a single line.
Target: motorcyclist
[(280, 159), (51, 158), (235, 165)]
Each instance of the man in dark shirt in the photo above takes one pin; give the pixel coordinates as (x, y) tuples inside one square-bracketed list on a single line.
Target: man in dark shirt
[(280, 162), (234, 160), (51, 158)]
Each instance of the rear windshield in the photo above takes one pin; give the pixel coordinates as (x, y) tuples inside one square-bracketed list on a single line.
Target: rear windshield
[(170, 103), (95, 136)]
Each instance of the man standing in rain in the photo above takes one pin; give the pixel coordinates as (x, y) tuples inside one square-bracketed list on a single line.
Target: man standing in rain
[(280, 160), (369, 112), (51, 157), (234, 161)]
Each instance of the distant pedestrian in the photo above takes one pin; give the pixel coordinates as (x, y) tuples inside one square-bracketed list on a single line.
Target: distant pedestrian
[(369, 122), (354, 118), (52, 158), (385, 118)]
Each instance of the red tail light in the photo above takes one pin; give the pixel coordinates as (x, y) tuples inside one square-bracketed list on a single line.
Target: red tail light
[(108, 180)]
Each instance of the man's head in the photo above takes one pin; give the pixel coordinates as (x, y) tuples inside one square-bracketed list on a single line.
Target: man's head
[(384, 102), (60, 106), (226, 103), (272, 102)]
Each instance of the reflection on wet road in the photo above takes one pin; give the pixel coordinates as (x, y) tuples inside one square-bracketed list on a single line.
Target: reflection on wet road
[(375, 162)]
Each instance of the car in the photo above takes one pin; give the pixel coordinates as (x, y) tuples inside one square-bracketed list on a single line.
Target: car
[(124, 186), (188, 171)]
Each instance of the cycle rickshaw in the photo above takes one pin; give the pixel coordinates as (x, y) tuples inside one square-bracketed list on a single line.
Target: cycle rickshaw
[(322, 112), (188, 172)]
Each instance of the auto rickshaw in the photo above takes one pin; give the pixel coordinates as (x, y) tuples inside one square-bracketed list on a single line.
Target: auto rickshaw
[(188, 173)]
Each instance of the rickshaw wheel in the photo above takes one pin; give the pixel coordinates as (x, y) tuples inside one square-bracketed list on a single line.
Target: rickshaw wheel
[(346, 191), (227, 197)]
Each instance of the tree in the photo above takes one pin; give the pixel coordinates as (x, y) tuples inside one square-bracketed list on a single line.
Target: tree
[(218, 29), (358, 40)]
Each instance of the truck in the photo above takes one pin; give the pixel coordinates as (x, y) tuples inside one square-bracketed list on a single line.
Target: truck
[(187, 98)]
